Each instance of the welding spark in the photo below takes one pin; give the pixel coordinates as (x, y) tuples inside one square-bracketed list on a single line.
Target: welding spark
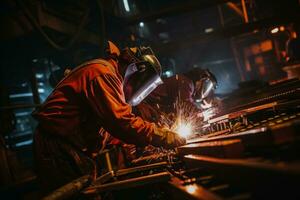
[(184, 120), (184, 129)]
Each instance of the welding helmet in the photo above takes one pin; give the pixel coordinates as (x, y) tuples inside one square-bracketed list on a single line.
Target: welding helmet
[(142, 74), (204, 82)]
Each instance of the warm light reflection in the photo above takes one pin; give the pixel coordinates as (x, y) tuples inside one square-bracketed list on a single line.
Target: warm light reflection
[(275, 30), (184, 121), (191, 189), (208, 114), (184, 129)]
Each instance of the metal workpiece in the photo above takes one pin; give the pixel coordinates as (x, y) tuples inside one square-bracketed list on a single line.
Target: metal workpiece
[(104, 178), (224, 148), (245, 165), (70, 190), (190, 191), (160, 165), (129, 183)]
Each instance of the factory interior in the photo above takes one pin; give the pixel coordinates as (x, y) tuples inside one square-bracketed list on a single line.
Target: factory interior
[(150, 99)]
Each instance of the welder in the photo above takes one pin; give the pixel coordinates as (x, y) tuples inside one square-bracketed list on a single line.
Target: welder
[(89, 99), (193, 89)]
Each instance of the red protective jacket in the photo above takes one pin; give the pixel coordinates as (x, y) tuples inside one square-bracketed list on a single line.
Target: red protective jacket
[(89, 98)]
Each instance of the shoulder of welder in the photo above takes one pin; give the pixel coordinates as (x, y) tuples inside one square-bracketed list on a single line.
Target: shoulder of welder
[(98, 67)]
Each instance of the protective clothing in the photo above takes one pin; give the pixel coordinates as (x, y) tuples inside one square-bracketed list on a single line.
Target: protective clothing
[(89, 98), (166, 138), (205, 85), (142, 75), (181, 90), (164, 98)]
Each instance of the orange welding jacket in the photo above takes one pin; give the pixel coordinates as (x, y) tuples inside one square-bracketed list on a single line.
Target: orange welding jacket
[(89, 98)]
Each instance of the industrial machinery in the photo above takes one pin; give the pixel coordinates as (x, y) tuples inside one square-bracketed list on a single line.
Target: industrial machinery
[(250, 150)]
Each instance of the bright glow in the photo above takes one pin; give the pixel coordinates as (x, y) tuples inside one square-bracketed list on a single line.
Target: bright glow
[(184, 121), (184, 129), (191, 189), (141, 24), (208, 30), (39, 75), (209, 88), (144, 92), (126, 5), (20, 95), (275, 30), (41, 90), (20, 114), (168, 73), (28, 142), (206, 105), (281, 28), (207, 114)]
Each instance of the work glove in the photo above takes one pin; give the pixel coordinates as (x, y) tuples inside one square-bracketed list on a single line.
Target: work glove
[(166, 138)]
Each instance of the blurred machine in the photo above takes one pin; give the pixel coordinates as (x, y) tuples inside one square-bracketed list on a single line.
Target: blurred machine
[(251, 150)]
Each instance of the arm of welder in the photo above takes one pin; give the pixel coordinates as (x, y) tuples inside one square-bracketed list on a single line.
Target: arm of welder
[(107, 99), (186, 90)]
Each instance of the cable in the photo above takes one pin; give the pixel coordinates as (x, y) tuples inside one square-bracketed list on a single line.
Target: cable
[(36, 24)]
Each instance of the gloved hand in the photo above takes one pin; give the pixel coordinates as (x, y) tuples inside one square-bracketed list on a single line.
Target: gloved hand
[(166, 138)]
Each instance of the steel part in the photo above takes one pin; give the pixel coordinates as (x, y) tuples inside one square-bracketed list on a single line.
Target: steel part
[(224, 149), (275, 135), (190, 191), (108, 161), (122, 172), (243, 112), (69, 190), (154, 158), (250, 169), (104, 178), (255, 134), (129, 183)]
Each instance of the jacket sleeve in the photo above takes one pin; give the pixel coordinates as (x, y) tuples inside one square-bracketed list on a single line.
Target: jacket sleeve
[(185, 92), (106, 98)]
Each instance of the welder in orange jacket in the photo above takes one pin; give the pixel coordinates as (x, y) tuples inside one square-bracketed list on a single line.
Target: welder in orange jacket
[(91, 98)]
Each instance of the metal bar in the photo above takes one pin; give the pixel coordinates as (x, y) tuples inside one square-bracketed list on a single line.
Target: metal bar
[(69, 190), (235, 8), (108, 162), (246, 18), (225, 149), (140, 168), (129, 183), (250, 133), (191, 191), (243, 165), (243, 112), (59, 25), (104, 178), (34, 88)]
